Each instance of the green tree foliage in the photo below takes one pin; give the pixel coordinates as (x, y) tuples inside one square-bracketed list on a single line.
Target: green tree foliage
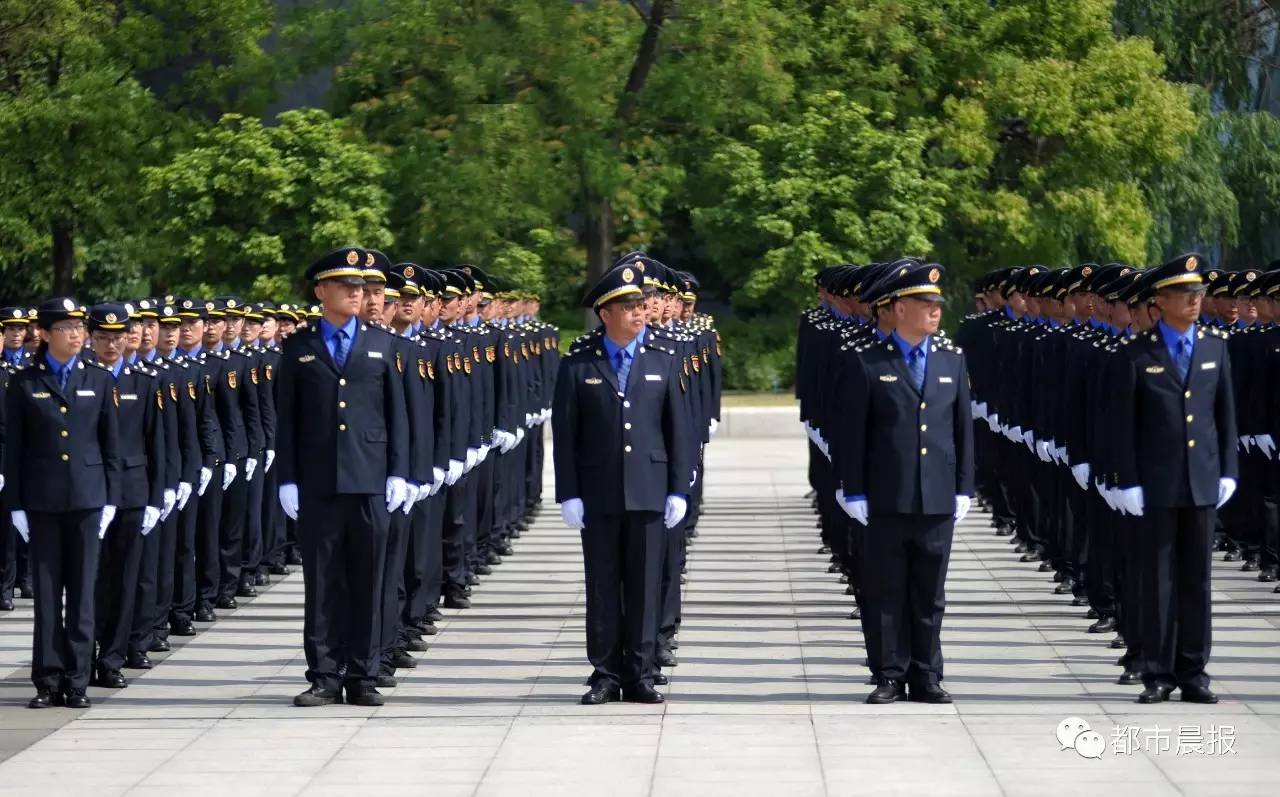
[(247, 200)]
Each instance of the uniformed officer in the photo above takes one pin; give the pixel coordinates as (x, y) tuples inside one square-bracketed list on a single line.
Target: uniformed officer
[(622, 474), (343, 454), (908, 478), (138, 397), (1176, 465), (63, 473)]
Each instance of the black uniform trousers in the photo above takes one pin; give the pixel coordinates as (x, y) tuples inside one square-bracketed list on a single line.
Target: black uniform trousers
[(208, 556), (147, 587), (166, 571), (186, 552), (622, 556), (456, 516), (273, 539), (903, 586), (116, 590), (483, 526), (64, 558), (673, 559), (1176, 605), (424, 564), (1103, 541), (344, 543), (399, 529), (253, 544), (1130, 544), (235, 516)]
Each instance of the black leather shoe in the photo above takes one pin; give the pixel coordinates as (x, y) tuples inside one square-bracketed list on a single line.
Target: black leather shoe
[(279, 570), (25, 591), (473, 579), (505, 549), (844, 579), (674, 644), (456, 600), (245, 590), (159, 645), (599, 695), (666, 658), (294, 558), (260, 579), (1065, 588), (1029, 556), (428, 629), (1277, 589), (642, 693), (824, 550), (1044, 567), (109, 679), (315, 696), (887, 691), (416, 645), (45, 698), (1232, 556), (227, 602), (661, 680), (1118, 643), (433, 615), (929, 693), (401, 660), (493, 559), (137, 661), (850, 590), (1155, 694), (856, 614), (1266, 574), (1198, 694), (364, 696), (205, 615), (182, 629), (1104, 625), (484, 570), (76, 699), (1092, 614), (1129, 678), (6, 604), (386, 682)]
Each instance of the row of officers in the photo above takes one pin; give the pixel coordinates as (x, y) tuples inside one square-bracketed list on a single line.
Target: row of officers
[(1097, 414), (164, 457)]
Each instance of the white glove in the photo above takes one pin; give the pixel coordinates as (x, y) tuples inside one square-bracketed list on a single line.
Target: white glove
[(1, 482), (982, 409), (170, 500), (484, 453), (1060, 454), (500, 439), (1014, 433), (1081, 474), (250, 465), (455, 472), (1041, 448), (438, 481), (840, 499), (857, 509), (693, 479), (20, 523), (1265, 444), (228, 474), (519, 435), (546, 415), (963, 502), (993, 423), (288, 495), (674, 511), (1244, 442), (1132, 498), (184, 493), (473, 456), (108, 515), (150, 516), (1029, 438), (1106, 496), (711, 429), (206, 476), (397, 489), (571, 512), (1226, 488), (411, 496), (271, 458)]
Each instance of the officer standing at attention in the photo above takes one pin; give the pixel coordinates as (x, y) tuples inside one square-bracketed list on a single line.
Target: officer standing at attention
[(908, 477), (1176, 462), (342, 441), (62, 465), (623, 472)]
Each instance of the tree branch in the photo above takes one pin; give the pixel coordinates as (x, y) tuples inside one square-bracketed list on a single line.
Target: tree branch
[(646, 57)]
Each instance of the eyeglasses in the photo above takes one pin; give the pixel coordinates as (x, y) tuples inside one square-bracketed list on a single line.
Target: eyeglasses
[(68, 327)]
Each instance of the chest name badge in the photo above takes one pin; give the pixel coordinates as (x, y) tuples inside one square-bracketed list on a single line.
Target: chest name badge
[(1155, 369), (377, 355), (888, 378), (653, 377), (85, 393), (946, 380), (594, 380), (1208, 366), (306, 358), (42, 394)]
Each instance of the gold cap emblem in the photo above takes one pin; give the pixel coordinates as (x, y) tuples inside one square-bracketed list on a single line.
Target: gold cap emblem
[(68, 305), (1192, 263), (628, 275), (935, 275), (353, 257), (111, 318)]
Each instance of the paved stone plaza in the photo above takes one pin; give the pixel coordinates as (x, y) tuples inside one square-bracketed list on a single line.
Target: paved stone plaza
[(767, 698)]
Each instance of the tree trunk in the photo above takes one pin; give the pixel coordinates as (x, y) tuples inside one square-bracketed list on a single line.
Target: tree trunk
[(63, 258), (599, 235)]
